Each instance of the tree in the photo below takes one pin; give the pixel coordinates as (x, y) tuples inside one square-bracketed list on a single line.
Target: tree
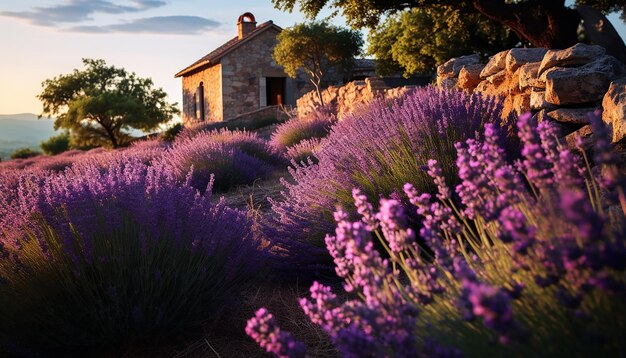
[(543, 23), (56, 144), (24, 153), (399, 43), (101, 104), (316, 47)]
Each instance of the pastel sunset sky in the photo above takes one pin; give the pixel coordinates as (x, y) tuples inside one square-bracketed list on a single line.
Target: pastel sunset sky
[(40, 39)]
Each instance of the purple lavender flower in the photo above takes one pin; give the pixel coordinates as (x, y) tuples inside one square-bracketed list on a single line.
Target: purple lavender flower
[(435, 172), (538, 167), (393, 223), (263, 329), (365, 209), (491, 304), (577, 209)]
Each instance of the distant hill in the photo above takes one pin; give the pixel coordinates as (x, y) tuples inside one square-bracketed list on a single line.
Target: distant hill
[(23, 130)]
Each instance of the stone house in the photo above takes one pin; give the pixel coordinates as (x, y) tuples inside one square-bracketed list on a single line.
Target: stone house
[(239, 77)]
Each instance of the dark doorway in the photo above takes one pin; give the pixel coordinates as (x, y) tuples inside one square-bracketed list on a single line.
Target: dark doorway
[(275, 90)]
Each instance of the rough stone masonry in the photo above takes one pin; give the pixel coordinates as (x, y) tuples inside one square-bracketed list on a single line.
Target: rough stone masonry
[(560, 86)]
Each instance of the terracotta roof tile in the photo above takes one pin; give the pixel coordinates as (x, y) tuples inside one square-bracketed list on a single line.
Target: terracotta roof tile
[(213, 56)]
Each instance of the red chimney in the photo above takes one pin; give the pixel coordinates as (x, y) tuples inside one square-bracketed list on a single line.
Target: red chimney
[(246, 27)]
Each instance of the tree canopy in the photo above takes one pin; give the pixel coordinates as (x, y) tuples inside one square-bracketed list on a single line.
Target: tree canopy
[(101, 104), (316, 47), (399, 44), (543, 23)]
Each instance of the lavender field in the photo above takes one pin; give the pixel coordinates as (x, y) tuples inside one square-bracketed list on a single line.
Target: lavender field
[(427, 225)]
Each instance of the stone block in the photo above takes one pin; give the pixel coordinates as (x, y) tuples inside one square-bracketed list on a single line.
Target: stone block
[(496, 64), (469, 76), (446, 82), (538, 101), (614, 108), (453, 66), (585, 84), (576, 55), (571, 115), (582, 138), (528, 74), (517, 57)]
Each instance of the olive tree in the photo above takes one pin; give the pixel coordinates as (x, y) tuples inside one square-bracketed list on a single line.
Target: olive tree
[(101, 104), (316, 47)]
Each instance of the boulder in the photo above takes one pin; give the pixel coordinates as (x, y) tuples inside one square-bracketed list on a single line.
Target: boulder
[(528, 76), (469, 76), (585, 84), (453, 66), (517, 57), (576, 55), (496, 64), (571, 115), (614, 108)]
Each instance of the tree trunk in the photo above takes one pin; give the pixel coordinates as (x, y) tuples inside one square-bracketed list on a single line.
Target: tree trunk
[(544, 23), (318, 90), (112, 137)]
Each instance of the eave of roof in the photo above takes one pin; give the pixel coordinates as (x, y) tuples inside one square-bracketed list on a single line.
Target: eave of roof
[(214, 56)]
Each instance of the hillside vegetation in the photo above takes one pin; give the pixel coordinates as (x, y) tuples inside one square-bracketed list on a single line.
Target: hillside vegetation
[(426, 226)]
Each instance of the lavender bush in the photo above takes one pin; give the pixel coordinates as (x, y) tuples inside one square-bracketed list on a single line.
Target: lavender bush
[(233, 157), (375, 151), (303, 150), (532, 263), (102, 256), (315, 125)]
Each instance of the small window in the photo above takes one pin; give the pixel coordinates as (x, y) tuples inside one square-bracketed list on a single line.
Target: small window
[(198, 105)]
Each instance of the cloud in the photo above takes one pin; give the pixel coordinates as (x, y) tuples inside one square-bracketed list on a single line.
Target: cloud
[(72, 11), (177, 25)]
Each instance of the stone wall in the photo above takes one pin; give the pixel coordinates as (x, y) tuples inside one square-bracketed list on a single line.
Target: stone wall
[(212, 83), (347, 98), (265, 112), (560, 86)]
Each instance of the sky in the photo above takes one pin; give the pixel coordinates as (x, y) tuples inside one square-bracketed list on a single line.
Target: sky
[(41, 39)]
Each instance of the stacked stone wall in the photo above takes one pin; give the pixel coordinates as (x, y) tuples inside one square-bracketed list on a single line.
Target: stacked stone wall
[(560, 86), (348, 98)]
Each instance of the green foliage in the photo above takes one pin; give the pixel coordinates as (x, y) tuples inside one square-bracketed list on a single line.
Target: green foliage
[(24, 153), (56, 144), (101, 103), (543, 23), (367, 13), (400, 42), (134, 290), (316, 47), (171, 133)]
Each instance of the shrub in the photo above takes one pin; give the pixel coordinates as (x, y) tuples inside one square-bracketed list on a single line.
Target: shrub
[(56, 144), (303, 150), (315, 125), (233, 157), (375, 151), (100, 257), (532, 262), (232, 125), (170, 134), (24, 153)]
